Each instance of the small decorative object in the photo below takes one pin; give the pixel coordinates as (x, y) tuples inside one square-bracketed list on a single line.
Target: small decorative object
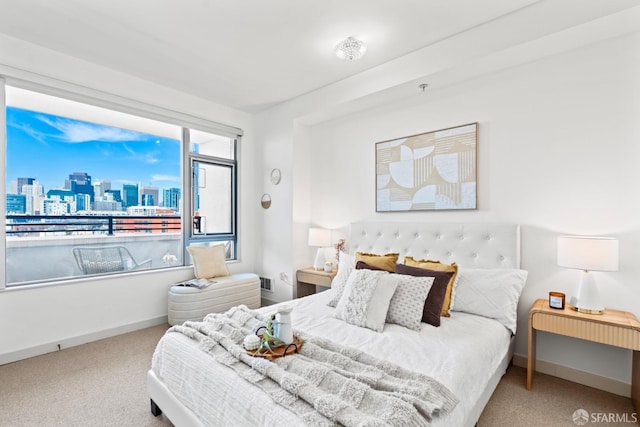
[(328, 266), (283, 329), (251, 342), (556, 300), (265, 201), (339, 248), (275, 176)]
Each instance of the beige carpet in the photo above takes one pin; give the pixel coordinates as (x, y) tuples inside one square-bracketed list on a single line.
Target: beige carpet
[(103, 384)]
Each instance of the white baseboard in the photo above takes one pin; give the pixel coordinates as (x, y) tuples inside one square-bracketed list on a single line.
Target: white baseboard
[(581, 377), (79, 340)]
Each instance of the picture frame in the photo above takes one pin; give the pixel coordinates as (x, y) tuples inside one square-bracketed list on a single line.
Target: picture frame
[(430, 171)]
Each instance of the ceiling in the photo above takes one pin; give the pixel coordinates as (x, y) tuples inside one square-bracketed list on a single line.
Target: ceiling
[(248, 54)]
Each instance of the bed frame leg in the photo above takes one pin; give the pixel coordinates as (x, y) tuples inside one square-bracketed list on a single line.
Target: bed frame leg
[(155, 409)]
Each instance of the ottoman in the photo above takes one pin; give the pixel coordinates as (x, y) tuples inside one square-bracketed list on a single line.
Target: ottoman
[(190, 303)]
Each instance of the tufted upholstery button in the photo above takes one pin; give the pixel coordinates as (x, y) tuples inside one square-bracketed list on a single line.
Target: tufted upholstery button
[(462, 237), (474, 255), (396, 234), (438, 236), (416, 235), (379, 233), (448, 254), (487, 237), (501, 258)]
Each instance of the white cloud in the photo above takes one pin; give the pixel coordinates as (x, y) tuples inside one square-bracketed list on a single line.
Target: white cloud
[(160, 177), (76, 132)]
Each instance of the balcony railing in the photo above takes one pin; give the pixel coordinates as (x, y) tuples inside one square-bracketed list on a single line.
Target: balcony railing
[(30, 225), (49, 241)]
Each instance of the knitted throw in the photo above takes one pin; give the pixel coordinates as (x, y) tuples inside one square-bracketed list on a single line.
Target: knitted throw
[(325, 384)]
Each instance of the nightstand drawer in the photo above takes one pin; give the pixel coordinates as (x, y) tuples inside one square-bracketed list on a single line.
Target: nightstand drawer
[(586, 330), (314, 278)]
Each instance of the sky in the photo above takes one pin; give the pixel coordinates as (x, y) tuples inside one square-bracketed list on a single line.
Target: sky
[(49, 148)]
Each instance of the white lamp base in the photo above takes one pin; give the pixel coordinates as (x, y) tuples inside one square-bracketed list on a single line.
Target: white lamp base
[(318, 264), (588, 298)]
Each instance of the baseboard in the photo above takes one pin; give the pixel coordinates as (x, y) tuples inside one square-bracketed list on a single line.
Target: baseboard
[(79, 340), (581, 377)]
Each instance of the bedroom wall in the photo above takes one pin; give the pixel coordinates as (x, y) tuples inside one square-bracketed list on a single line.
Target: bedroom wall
[(36, 319), (559, 146)]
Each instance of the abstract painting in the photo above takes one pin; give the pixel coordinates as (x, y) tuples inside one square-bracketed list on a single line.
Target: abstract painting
[(430, 171)]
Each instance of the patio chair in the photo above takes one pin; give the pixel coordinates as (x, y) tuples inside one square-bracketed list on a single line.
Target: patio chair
[(106, 259)]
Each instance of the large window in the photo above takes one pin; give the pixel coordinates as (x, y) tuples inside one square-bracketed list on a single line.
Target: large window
[(94, 190)]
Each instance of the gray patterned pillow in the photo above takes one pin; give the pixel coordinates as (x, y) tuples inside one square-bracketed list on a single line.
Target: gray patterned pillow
[(366, 298), (407, 304)]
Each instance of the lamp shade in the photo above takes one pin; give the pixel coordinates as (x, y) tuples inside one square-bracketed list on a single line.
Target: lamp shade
[(320, 237), (588, 253)]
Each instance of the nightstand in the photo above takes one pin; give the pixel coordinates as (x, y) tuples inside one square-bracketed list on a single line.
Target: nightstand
[(617, 328), (307, 279)]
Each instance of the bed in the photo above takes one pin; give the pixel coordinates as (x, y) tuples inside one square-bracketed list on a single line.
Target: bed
[(468, 353)]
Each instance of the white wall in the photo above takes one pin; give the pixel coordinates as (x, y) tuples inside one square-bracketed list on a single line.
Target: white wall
[(35, 320), (559, 149), (558, 153)]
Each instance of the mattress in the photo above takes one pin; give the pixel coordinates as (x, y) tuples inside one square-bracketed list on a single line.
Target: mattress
[(466, 354)]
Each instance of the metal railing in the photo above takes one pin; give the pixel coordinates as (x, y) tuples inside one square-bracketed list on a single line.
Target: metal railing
[(29, 225)]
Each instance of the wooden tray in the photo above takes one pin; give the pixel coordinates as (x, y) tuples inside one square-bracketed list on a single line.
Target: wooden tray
[(277, 352)]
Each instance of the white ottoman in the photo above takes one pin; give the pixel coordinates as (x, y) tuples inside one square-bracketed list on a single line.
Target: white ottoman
[(189, 303)]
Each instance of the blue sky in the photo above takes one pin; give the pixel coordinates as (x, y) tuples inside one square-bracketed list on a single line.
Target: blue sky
[(49, 148)]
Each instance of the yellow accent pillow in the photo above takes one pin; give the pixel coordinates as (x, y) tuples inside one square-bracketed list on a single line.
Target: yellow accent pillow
[(438, 266), (385, 262), (208, 261)]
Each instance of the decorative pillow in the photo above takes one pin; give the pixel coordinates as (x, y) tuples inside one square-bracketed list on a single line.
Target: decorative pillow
[(492, 293), (383, 262), (360, 265), (345, 267), (208, 261), (366, 298), (437, 266), (435, 299), (407, 305)]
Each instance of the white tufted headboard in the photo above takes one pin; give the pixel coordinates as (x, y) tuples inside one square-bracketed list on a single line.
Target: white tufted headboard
[(474, 245)]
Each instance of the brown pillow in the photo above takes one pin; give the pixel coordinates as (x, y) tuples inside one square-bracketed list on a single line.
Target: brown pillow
[(361, 265), (382, 262), (435, 298), (437, 266)]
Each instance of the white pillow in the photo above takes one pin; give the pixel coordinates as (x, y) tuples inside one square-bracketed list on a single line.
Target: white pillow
[(346, 265), (407, 305), (492, 293), (208, 261), (366, 298)]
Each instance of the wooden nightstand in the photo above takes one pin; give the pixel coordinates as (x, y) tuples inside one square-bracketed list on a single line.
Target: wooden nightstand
[(617, 328), (307, 279)]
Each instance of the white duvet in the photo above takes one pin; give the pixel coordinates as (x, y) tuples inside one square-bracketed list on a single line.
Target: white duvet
[(463, 354)]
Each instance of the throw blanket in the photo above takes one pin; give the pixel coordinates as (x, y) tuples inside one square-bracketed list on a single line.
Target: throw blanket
[(324, 383)]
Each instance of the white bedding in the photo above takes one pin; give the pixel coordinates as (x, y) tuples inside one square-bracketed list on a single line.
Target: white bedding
[(463, 354)]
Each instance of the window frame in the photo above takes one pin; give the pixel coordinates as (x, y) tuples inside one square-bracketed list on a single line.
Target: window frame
[(129, 106)]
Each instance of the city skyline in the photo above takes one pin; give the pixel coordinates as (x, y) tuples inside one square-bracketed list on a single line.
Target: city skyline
[(49, 148)]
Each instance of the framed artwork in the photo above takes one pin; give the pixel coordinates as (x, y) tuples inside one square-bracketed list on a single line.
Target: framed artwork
[(430, 171)]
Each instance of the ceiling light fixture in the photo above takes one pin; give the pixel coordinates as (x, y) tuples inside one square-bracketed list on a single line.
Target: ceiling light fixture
[(350, 49)]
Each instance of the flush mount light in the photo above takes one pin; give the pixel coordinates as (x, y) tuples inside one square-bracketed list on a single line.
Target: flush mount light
[(350, 49)]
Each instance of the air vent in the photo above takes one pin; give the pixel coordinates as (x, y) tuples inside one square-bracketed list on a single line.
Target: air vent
[(265, 284)]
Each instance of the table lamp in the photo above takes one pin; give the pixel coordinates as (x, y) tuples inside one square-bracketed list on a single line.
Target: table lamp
[(588, 254), (321, 238)]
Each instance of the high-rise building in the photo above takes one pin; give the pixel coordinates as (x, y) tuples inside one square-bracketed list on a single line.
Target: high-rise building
[(21, 182), (149, 196), (171, 198), (100, 188), (129, 195), (16, 203), (80, 183)]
